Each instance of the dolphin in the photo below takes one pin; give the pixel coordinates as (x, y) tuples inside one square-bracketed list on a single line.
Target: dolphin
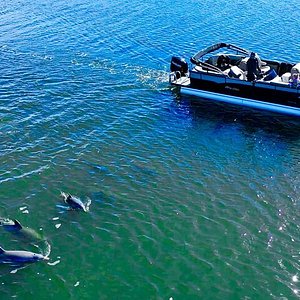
[(75, 202), (19, 256), (15, 227)]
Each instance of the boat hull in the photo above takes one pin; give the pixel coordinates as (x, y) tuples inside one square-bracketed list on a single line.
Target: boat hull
[(271, 92), (241, 101)]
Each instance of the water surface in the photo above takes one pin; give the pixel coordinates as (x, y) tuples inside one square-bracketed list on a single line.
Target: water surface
[(189, 200)]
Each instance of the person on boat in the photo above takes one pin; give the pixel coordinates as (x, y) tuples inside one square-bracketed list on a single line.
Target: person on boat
[(223, 62), (294, 82), (253, 68)]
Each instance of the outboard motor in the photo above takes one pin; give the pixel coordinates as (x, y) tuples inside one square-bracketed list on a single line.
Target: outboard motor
[(179, 66)]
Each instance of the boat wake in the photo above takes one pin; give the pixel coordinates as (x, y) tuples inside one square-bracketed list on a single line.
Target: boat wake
[(153, 78)]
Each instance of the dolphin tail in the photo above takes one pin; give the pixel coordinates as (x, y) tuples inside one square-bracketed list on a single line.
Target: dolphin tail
[(87, 205), (64, 195)]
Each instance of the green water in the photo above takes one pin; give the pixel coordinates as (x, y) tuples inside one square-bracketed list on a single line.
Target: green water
[(189, 200)]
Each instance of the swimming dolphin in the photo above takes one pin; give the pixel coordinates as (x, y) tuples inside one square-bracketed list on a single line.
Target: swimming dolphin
[(75, 202), (26, 233), (19, 256)]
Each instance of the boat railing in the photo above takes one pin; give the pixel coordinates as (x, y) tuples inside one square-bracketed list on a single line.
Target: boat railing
[(175, 76)]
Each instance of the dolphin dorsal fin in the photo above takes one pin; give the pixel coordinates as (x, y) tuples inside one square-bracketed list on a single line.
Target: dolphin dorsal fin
[(18, 224), (1, 250), (69, 197)]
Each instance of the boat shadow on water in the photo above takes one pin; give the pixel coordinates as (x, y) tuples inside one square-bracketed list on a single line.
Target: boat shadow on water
[(248, 120)]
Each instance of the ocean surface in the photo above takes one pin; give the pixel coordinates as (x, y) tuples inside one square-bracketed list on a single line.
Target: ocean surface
[(190, 200)]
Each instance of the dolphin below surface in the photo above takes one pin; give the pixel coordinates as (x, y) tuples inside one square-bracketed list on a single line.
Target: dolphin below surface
[(19, 256), (15, 227), (75, 202)]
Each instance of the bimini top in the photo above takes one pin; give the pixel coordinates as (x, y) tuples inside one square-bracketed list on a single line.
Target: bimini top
[(196, 58)]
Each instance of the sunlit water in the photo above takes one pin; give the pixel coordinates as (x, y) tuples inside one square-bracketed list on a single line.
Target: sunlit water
[(189, 200)]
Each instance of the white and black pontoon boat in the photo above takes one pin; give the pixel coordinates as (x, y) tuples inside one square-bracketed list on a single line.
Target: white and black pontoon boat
[(219, 73)]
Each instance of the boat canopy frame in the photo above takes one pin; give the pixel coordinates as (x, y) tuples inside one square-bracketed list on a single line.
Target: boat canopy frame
[(196, 58)]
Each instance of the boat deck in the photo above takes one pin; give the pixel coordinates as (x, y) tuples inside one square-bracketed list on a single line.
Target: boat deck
[(182, 81)]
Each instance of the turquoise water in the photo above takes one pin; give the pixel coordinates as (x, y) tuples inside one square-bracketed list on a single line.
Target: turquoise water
[(189, 200)]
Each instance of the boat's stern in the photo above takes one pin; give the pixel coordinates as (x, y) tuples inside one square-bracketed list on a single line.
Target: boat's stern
[(179, 72)]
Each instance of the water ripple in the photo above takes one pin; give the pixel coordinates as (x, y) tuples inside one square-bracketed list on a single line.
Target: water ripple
[(189, 200)]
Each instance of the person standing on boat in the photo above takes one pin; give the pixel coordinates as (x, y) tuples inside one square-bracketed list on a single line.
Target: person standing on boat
[(253, 68)]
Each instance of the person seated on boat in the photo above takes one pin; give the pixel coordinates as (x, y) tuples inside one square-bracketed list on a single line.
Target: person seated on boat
[(223, 62), (253, 68), (294, 81)]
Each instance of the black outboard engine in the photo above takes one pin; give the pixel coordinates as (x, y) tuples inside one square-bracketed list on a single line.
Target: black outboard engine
[(179, 66)]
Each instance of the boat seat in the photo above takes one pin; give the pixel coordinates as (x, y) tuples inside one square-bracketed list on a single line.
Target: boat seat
[(236, 72), (284, 68), (265, 69), (198, 68), (226, 71), (243, 64), (286, 77), (278, 81), (263, 65)]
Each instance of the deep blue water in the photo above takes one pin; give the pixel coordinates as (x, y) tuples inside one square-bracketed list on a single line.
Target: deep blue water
[(190, 200)]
